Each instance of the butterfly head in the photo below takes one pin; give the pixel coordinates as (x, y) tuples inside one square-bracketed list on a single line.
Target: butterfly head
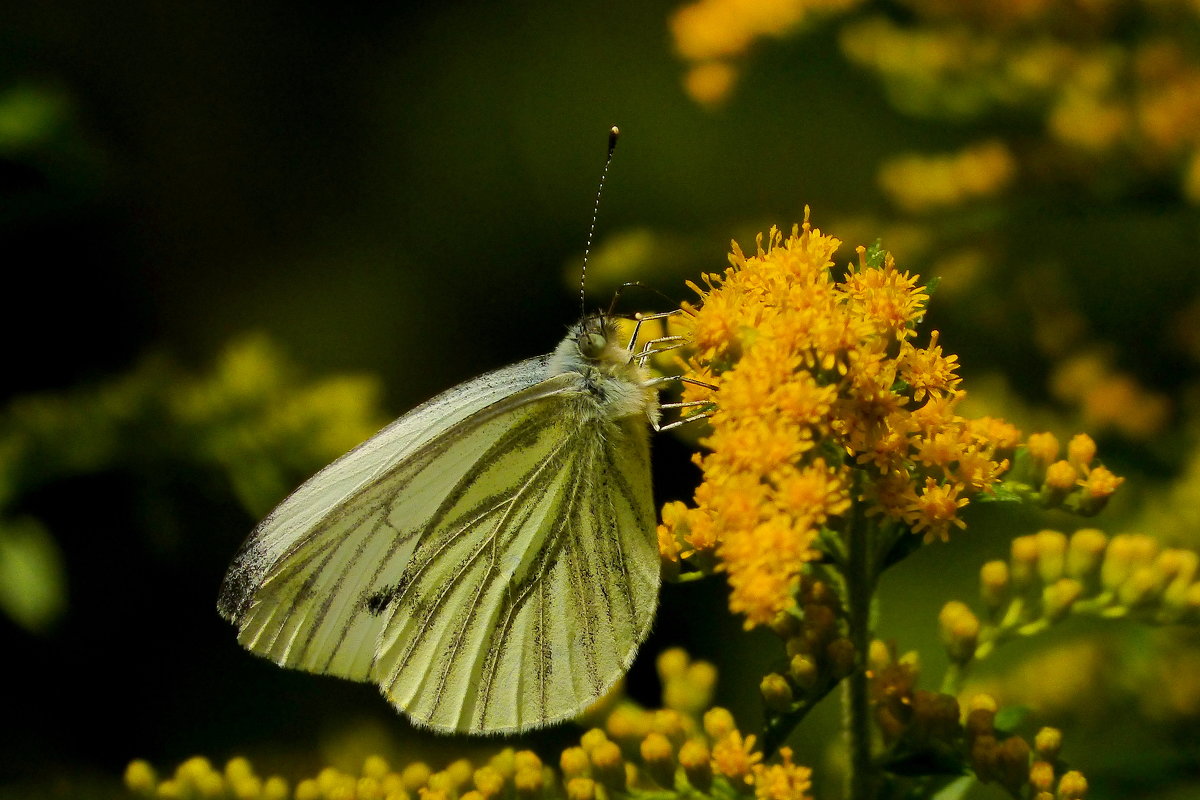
[(593, 337)]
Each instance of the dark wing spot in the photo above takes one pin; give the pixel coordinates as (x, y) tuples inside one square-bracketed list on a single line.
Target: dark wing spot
[(377, 602)]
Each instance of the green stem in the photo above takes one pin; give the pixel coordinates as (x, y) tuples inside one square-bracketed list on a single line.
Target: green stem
[(860, 584)]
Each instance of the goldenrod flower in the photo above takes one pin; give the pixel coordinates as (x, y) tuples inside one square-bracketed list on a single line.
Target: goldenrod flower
[(713, 756), (819, 384), (735, 757), (782, 781)]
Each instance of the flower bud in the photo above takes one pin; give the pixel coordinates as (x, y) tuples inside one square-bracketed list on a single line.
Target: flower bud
[(1085, 552), (959, 628), (1059, 597), (488, 781), (696, 761), (504, 762), (1060, 481), (672, 663), (608, 767), (573, 762), (591, 738), (580, 788), (1141, 588), (1118, 561), (718, 722), (1024, 562), (367, 788), (1072, 786), (1047, 743), (275, 788), (1012, 763), (1099, 485), (1081, 450), (804, 672), (1041, 776), (528, 782), (526, 759), (460, 773), (935, 716), (994, 586), (1043, 448), (776, 692), (140, 777), (879, 655), (984, 751), (627, 723), (415, 776), (659, 758), (669, 723), (1183, 566), (1052, 549)]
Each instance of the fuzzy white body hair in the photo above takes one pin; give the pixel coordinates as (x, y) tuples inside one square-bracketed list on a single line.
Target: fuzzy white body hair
[(613, 376)]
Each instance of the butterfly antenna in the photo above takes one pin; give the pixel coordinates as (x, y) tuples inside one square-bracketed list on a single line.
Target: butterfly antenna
[(613, 133)]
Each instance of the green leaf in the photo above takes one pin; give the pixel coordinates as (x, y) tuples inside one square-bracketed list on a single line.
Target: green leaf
[(1001, 493), (876, 254), (1009, 718)]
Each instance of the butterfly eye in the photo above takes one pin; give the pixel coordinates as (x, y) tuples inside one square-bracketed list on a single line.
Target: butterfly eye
[(591, 344)]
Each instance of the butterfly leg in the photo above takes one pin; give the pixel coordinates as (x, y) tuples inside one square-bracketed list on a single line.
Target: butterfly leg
[(681, 379), (683, 421), (639, 318)]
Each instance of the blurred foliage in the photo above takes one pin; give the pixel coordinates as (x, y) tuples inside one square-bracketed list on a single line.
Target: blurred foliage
[(252, 417)]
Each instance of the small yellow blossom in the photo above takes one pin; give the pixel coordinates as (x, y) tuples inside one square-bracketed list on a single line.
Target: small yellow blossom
[(735, 757), (782, 781), (1043, 447)]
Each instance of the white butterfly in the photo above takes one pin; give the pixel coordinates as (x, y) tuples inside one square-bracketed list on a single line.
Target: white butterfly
[(489, 559)]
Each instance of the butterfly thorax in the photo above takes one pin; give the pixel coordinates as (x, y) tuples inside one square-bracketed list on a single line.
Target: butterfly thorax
[(608, 371)]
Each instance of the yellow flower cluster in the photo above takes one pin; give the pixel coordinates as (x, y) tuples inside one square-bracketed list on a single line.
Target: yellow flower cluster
[(1051, 575), (197, 778), (918, 183), (1023, 770), (1097, 95), (822, 399), (921, 724), (685, 746), (711, 34), (818, 651)]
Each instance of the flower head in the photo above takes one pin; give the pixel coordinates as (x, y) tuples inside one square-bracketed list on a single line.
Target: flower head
[(823, 398)]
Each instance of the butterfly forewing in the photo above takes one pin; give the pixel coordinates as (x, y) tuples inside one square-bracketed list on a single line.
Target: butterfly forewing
[(539, 610), (299, 588)]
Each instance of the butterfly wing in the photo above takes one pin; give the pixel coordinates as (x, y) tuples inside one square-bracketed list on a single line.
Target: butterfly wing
[(488, 559), (539, 610), (296, 588)]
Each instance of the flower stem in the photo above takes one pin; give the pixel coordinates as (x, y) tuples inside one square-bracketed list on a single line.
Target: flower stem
[(860, 584)]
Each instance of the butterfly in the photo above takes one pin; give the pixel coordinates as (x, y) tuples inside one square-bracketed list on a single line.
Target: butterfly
[(489, 559)]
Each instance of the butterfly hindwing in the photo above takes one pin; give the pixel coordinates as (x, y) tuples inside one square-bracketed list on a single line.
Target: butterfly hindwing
[(541, 608)]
